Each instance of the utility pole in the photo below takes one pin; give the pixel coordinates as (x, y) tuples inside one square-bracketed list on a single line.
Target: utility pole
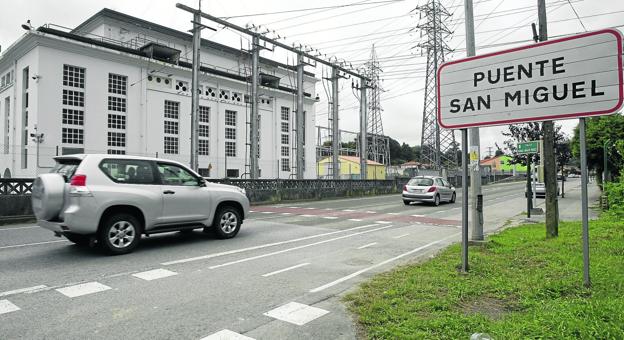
[(363, 129), (300, 119), (195, 94), (550, 171), (253, 124), (335, 125), (475, 173)]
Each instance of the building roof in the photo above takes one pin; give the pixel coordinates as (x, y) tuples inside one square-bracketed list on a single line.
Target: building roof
[(148, 25), (491, 160)]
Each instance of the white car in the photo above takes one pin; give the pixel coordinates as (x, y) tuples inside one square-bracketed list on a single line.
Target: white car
[(428, 189), (112, 200)]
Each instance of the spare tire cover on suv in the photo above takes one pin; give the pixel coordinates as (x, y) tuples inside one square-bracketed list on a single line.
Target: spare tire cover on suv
[(47, 196)]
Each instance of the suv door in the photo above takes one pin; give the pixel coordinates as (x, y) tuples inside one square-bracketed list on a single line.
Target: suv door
[(185, 199)]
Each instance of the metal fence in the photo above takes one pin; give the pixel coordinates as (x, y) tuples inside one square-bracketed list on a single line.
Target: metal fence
[(15, 186)]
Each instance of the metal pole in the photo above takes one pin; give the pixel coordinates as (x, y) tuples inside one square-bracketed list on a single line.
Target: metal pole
[(300, 118), (529, 191), (464, 133), (363, 122), (584, 209), (435, 63), (195, 94), (253, 125), (335, 125), (475, 144)]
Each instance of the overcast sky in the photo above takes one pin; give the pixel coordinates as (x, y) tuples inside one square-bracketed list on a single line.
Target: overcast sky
[(349, 33)]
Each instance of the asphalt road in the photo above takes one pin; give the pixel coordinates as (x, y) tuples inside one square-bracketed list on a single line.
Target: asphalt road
[(282, 277)]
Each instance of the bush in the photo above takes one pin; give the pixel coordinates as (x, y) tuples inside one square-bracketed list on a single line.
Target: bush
[(615, 196)]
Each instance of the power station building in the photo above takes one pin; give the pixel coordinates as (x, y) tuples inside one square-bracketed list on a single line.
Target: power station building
[(118, 84)]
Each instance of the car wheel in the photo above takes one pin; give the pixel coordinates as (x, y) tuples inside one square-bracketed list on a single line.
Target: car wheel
[(436, 200), (120, 234), (406, 202), (226, 223), (453, 198), (81, 240)]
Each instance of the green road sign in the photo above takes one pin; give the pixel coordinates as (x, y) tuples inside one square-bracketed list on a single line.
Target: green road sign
[(528, 147)]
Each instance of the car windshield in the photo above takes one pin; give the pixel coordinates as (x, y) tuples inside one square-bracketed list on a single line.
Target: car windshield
[(423, 182)]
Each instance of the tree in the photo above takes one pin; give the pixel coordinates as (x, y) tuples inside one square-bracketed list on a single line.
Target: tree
[(499, 151), (599, 131), (524, 133)]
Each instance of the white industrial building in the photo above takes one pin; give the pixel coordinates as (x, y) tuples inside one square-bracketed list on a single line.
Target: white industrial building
[(117, 84)]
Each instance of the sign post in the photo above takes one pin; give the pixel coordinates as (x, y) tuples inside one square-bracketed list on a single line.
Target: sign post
[(573, 77), (529, 148)]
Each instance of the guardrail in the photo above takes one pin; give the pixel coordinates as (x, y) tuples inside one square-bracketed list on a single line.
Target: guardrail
[(15, 186)]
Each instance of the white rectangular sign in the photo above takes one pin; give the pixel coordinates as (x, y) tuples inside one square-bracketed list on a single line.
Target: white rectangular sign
[(576, 76)]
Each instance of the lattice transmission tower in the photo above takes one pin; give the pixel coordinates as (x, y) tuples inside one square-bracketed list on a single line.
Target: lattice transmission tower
[(438, 146), (378, 143)]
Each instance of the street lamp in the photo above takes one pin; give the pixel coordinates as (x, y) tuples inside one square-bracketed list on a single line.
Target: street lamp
[(38, 139)]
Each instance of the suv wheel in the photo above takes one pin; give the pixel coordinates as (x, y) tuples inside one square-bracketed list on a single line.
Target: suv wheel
[(227, 223), (120, 234), (81, 240), (436, 200)]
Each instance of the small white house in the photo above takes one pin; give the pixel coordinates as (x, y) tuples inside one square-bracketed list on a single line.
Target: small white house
[(118, 84)]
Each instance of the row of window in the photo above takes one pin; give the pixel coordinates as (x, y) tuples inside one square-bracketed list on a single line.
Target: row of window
[(285, 138)]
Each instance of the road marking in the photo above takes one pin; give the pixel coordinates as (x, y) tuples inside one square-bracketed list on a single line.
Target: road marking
[(296, 313), (310, 208), (16, 228), (355, 220), (7, 307), (392, 214), (267, 212), (367, 245), (24, 290), (286, 214), (83, 289), (293, 207), (400, 236), (230, 252), (370, 212), (226, 334), (285, 269), (348, 210), (307, 215), (32, 244), (359, 272), (383, 222), (418, 215), (154, 274), (296, 248), (328, 209), (252, 211), (330, 217)]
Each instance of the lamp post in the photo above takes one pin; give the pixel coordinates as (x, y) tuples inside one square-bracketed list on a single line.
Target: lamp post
[(38, 139)]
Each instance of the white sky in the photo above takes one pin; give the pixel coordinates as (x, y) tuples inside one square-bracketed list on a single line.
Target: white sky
[(348, 33)]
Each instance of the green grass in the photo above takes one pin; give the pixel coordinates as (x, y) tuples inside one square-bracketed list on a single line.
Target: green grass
[(520, 286)]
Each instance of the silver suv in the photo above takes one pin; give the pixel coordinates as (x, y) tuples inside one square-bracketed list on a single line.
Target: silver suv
[(111, 200)]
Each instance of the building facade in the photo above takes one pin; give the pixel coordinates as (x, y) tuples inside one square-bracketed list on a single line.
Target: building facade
[(117, 84)]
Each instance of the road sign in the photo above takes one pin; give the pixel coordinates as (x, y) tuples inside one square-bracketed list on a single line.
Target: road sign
[(576, 76), (528, 147)]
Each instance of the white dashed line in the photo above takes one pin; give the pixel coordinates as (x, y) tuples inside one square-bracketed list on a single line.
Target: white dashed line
[(328, 209), (367, 245), (400, 236), (348, 210), (296, 313), (7, 307), (252, 211), (330, 217), (267, 212), (17, 228), (83, 289), (418, 215), (355, 220), (226, 334), (24, 290), (359, 272), (310, 208), (370, 212), (383, 222), (293, 207), (307, 215), (154, 274), (32, 244), (286, 214), (392, 214), (285, 269)]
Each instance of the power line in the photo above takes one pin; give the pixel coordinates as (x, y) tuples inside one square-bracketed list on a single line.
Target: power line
[(310, 9), (577, 16)]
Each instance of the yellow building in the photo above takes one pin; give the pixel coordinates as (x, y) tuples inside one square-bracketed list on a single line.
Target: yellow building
[(350, 168)]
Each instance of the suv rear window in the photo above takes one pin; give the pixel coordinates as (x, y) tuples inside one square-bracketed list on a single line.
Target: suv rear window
[(131, 171), (66, 168), (423, 182)]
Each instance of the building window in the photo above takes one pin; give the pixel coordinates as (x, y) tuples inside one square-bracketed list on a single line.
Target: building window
[(73, 76), (116, 122), (285, 151), (285, 139), (285, 127), (230, 133), (172, 109), (171, 127), (230, 118), (171, 145), (204, 114), (230, 149), (285, 164), (231, 173), (73, 117), (116, 152), (117, 84), (117, 139), (285, 113), (116, 104), (204, 131), (73, 98), (73, 136), (204, 147)]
